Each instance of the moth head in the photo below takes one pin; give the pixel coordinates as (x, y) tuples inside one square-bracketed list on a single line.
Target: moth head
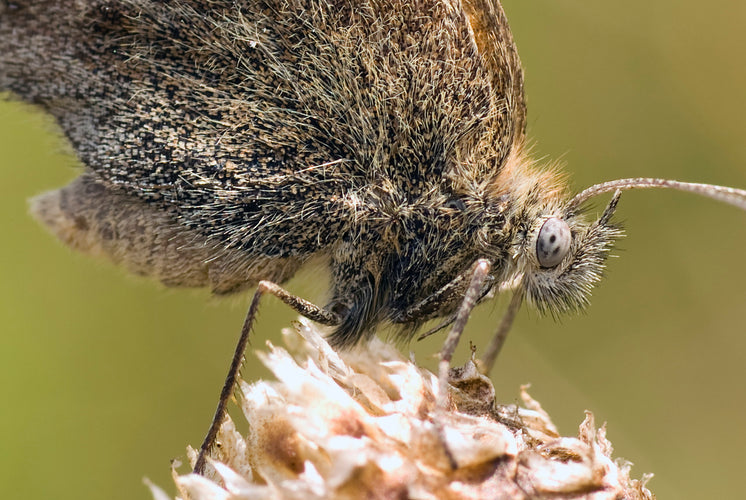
[(560, 257)]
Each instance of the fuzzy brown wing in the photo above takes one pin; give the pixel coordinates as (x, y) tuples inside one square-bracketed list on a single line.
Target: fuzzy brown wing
[(495, 41), (193, 107), (253, 121)]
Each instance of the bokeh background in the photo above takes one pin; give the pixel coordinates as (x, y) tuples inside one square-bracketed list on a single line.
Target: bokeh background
[(106, 377)]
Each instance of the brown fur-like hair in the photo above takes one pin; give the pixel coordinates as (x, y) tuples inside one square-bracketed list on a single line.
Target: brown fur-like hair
[(229, 141)]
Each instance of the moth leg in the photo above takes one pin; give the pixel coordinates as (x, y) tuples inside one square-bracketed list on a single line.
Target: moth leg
[(471, 297), (487, 361), (440, 326), (304, 307), (432, 305)]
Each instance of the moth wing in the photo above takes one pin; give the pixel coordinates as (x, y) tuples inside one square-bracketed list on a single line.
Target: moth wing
[(495, 41), (194, 108), (148, 241), (255, 126)]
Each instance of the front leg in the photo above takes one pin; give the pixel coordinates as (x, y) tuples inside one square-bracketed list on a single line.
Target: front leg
[(453, 294), (449, 296), (487, 361), (478, 275)]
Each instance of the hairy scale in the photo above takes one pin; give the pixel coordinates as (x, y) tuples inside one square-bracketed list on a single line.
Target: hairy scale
[(226, 142)]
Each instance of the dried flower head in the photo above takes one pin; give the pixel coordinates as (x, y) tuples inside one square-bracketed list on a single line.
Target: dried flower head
[(365, 424)]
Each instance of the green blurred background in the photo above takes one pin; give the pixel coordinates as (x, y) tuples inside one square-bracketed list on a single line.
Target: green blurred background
[(106, 377)]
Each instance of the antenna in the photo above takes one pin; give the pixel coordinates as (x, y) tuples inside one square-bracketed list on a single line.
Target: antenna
[(733, 196)]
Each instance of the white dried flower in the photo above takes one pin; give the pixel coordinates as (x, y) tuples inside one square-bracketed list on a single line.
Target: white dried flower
[(365, 424)]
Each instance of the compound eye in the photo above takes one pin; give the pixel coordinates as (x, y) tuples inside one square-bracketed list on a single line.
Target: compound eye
[(553, 242)]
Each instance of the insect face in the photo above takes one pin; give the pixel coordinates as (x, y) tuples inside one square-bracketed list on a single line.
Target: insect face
[(561, 257)]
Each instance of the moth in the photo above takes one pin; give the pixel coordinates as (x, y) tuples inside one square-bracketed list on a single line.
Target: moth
[(227, 142)]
